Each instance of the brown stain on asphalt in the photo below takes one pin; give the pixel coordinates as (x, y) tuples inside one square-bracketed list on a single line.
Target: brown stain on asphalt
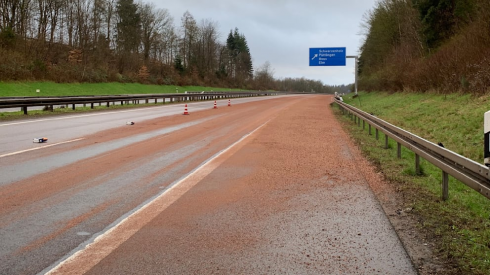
[(283, 202), (67, 226), (73, 178), (286, 202)]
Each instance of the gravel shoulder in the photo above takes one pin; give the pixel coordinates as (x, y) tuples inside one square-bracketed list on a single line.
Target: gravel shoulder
[(395, 201)]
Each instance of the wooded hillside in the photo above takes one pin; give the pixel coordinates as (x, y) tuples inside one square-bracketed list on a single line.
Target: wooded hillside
[(427, 45), (125, 41)]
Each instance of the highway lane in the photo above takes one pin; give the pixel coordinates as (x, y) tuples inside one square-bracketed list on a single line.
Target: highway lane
[(54, 199), (292, 197), (270, 186), (18, 135)]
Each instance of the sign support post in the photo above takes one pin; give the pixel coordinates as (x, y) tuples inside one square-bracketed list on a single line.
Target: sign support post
[(357, 61)]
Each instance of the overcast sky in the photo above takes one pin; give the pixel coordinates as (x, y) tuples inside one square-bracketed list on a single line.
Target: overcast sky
[(282, 31)]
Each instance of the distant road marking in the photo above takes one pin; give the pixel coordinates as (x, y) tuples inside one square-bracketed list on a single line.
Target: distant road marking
[(97, 249), (199, 104), (68, 117), (42, 147)]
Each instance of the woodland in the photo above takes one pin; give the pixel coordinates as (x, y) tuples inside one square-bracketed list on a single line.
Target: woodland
[(98, 41), (440, 46)]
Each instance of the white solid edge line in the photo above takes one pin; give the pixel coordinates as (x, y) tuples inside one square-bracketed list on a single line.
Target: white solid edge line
[(42, 147), (95, 258)]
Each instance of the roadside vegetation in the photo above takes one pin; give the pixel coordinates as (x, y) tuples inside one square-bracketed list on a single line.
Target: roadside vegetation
[(426, 45), (28, 89), (460, 226), (77, 89), (127, 41)]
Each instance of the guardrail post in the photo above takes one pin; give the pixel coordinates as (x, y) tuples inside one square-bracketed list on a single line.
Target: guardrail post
[(358, 121), (386, 141), (73, 106), (399, 150), (369, 129), (91, 105), (486, 137), (24, 109), (363, 124), (108, 104), (377, 134), (417, 165), (445, 186)]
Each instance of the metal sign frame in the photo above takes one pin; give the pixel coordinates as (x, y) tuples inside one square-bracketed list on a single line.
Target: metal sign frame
[(332, 57)]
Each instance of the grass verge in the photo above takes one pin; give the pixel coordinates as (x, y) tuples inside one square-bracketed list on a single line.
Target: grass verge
[(461, 225), (78, 89), (11, 89)]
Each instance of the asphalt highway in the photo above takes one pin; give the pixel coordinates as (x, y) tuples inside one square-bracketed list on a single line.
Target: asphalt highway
[(270, 185), (15, 136)]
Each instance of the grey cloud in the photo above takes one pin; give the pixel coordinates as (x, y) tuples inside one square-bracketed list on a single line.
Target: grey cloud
[(282, 31)]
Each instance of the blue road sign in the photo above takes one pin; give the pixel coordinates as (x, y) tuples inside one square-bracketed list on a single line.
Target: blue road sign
[(327, 56)]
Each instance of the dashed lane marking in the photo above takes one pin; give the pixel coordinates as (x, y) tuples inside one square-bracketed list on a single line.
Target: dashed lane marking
[(42, 147)]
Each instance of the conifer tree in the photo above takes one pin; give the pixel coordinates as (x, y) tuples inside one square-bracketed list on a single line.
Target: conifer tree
[(128, 26), (240, 59)]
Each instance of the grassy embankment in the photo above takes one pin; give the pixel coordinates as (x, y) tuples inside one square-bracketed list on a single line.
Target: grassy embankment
[(75, 89), (80, 89), (461, 225)]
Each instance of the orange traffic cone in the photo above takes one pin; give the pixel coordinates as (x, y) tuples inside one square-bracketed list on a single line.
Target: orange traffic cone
[(229, 102), (215, 107), (185, 110)]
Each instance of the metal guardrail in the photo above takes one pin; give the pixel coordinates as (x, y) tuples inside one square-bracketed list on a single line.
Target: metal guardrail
[(469, 172), (25, 102)]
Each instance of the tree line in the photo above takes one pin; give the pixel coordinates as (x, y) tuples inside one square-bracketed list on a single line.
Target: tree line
[(124, 41), (426, 45)]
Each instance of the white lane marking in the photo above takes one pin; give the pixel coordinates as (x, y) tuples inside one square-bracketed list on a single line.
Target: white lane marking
[(86, 258), (125, 111), (42, 147), (88, 115)]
